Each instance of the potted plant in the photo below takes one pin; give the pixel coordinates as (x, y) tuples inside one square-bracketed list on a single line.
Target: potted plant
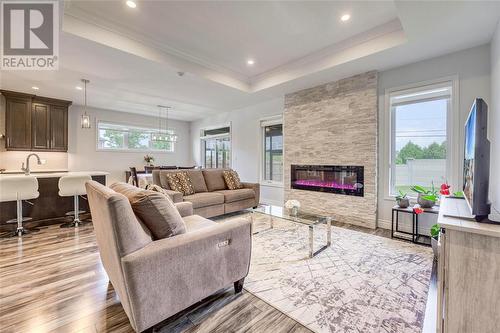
[(435, 229), (402, 199), (426, 198), (293, 206), (149, 159)]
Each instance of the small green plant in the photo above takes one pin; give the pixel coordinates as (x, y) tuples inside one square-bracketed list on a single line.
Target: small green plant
[(435, 229), (401, 195), (431, 195), (458, 194)]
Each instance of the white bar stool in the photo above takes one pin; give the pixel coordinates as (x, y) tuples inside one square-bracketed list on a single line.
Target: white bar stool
[(73, 186), (19, 188)]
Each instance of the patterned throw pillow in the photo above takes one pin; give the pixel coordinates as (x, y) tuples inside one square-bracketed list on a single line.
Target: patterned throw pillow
[(173, 182), (186, 184), (159, 189), (232, 179)]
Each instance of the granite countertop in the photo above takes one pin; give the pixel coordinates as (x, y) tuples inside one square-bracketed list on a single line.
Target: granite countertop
[(53, 173)]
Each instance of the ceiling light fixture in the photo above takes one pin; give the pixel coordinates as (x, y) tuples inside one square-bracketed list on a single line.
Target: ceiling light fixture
[(78, 88), (85, 121), (131, 4), (164, 134), (345, 17), (250, 62), (35, 88)]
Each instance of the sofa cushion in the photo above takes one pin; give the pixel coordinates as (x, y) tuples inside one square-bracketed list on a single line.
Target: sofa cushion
[(154, 209), (185, 181), (197, 180), (205, 199), (196, 222), (232, 179), (174, 182), (159, 189), (214, 179), (237, 195)]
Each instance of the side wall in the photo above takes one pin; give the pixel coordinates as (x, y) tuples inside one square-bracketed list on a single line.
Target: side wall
[(246, 142), (83, 154), (494, 121), (335, 124), (472, 68)]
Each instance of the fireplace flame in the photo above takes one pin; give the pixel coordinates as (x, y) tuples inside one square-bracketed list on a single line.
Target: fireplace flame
[(330, 184)]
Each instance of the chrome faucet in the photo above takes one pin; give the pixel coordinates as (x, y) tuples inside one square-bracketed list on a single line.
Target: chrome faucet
[(27, 169)]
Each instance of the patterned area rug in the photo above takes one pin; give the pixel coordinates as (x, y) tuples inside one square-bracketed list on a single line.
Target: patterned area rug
[(362, 283)]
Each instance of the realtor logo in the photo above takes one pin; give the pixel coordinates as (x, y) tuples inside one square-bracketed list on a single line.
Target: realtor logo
[(30, 35)]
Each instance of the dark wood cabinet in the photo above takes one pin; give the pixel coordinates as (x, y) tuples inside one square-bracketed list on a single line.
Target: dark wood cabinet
[(18, 123), (35, 123)]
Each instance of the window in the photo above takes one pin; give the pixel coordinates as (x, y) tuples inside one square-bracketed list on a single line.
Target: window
[(272, 159), (419, 137), (120, 137), (216, 147)]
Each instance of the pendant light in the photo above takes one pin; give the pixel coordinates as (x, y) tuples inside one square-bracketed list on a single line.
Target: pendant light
[(85, 121), (163, 134)]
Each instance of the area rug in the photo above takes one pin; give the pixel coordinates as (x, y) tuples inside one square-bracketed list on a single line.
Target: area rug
[(362, 283)]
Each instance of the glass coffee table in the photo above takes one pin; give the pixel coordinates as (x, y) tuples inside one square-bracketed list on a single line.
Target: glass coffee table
[(310, 220)]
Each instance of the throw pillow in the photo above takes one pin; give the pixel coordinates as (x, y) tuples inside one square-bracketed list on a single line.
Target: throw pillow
[(232, 179), (174, 182), (186, 184)]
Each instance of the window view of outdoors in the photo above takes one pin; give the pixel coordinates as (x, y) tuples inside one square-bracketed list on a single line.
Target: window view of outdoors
[(217, 152), (273, 153), (121, 137), (419, 144)]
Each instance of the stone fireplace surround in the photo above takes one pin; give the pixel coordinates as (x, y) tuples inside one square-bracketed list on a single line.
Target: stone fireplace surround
[(334, 124)]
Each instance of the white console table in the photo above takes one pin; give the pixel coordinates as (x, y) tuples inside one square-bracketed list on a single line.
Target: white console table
[(468, 273)]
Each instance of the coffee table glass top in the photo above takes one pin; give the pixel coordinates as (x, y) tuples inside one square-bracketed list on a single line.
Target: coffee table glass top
[(283, 213)]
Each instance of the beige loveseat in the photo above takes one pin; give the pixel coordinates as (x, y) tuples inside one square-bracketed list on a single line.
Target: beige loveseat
[(212, 197), (156, 279)]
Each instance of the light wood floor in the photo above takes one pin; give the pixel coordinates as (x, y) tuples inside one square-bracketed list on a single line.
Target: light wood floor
[(53, 281)]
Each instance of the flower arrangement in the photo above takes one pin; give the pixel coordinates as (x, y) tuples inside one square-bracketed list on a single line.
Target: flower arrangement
[(149, 159), (293, 205)]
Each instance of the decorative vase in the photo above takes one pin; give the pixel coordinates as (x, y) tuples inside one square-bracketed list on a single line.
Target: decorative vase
[(435, 248), (424, 203), (294, 211), (403, 202)]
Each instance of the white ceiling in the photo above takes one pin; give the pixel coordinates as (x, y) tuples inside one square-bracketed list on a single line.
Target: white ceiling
[(132, 56)]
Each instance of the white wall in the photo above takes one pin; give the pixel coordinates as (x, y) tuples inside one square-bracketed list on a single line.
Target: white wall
[(83, 155), (494, 120), (245, 141), (472, 67)]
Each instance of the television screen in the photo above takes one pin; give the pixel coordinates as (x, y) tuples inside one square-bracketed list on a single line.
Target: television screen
[(470, 148)]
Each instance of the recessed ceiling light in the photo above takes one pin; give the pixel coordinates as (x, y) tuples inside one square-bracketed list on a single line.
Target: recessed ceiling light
[(35, 88), (250, 62), (131, 4), (78, 88), (345, 17)]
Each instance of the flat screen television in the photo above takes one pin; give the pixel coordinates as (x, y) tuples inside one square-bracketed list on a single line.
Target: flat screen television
[(477, 161)]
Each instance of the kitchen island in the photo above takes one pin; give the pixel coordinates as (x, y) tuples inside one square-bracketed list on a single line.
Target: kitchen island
[(49, 207)]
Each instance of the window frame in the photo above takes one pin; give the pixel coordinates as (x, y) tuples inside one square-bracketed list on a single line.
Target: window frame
[(204, 138), (453, 145), (130, 150), (264, 122)]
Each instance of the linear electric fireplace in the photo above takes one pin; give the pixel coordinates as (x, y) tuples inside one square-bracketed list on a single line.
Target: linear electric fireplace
[(348, 180)]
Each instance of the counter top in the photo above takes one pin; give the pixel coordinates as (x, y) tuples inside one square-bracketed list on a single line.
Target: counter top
[(55, 174), (448, 207)]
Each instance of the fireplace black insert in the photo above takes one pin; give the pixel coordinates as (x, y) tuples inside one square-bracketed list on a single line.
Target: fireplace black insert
[(340, 179)]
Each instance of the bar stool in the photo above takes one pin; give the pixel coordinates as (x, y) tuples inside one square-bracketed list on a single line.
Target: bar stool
[(73, 186), (19, 188)]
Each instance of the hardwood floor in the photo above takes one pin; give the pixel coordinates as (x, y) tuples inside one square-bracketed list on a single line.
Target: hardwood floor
[(53, 281)]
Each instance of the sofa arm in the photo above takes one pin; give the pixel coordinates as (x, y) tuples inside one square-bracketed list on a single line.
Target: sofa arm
[(174, 195), (185, 208), (168, 275), (256, 188)]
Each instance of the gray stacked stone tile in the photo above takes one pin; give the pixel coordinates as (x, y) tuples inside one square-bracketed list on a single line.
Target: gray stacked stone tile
[(335, 124)]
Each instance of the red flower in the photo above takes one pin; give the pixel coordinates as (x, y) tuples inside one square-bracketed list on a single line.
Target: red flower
[(418, 210), (445, 186), (445, 192)]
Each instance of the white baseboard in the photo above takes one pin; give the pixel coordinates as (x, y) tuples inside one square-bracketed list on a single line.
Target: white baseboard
[(384, 224)]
